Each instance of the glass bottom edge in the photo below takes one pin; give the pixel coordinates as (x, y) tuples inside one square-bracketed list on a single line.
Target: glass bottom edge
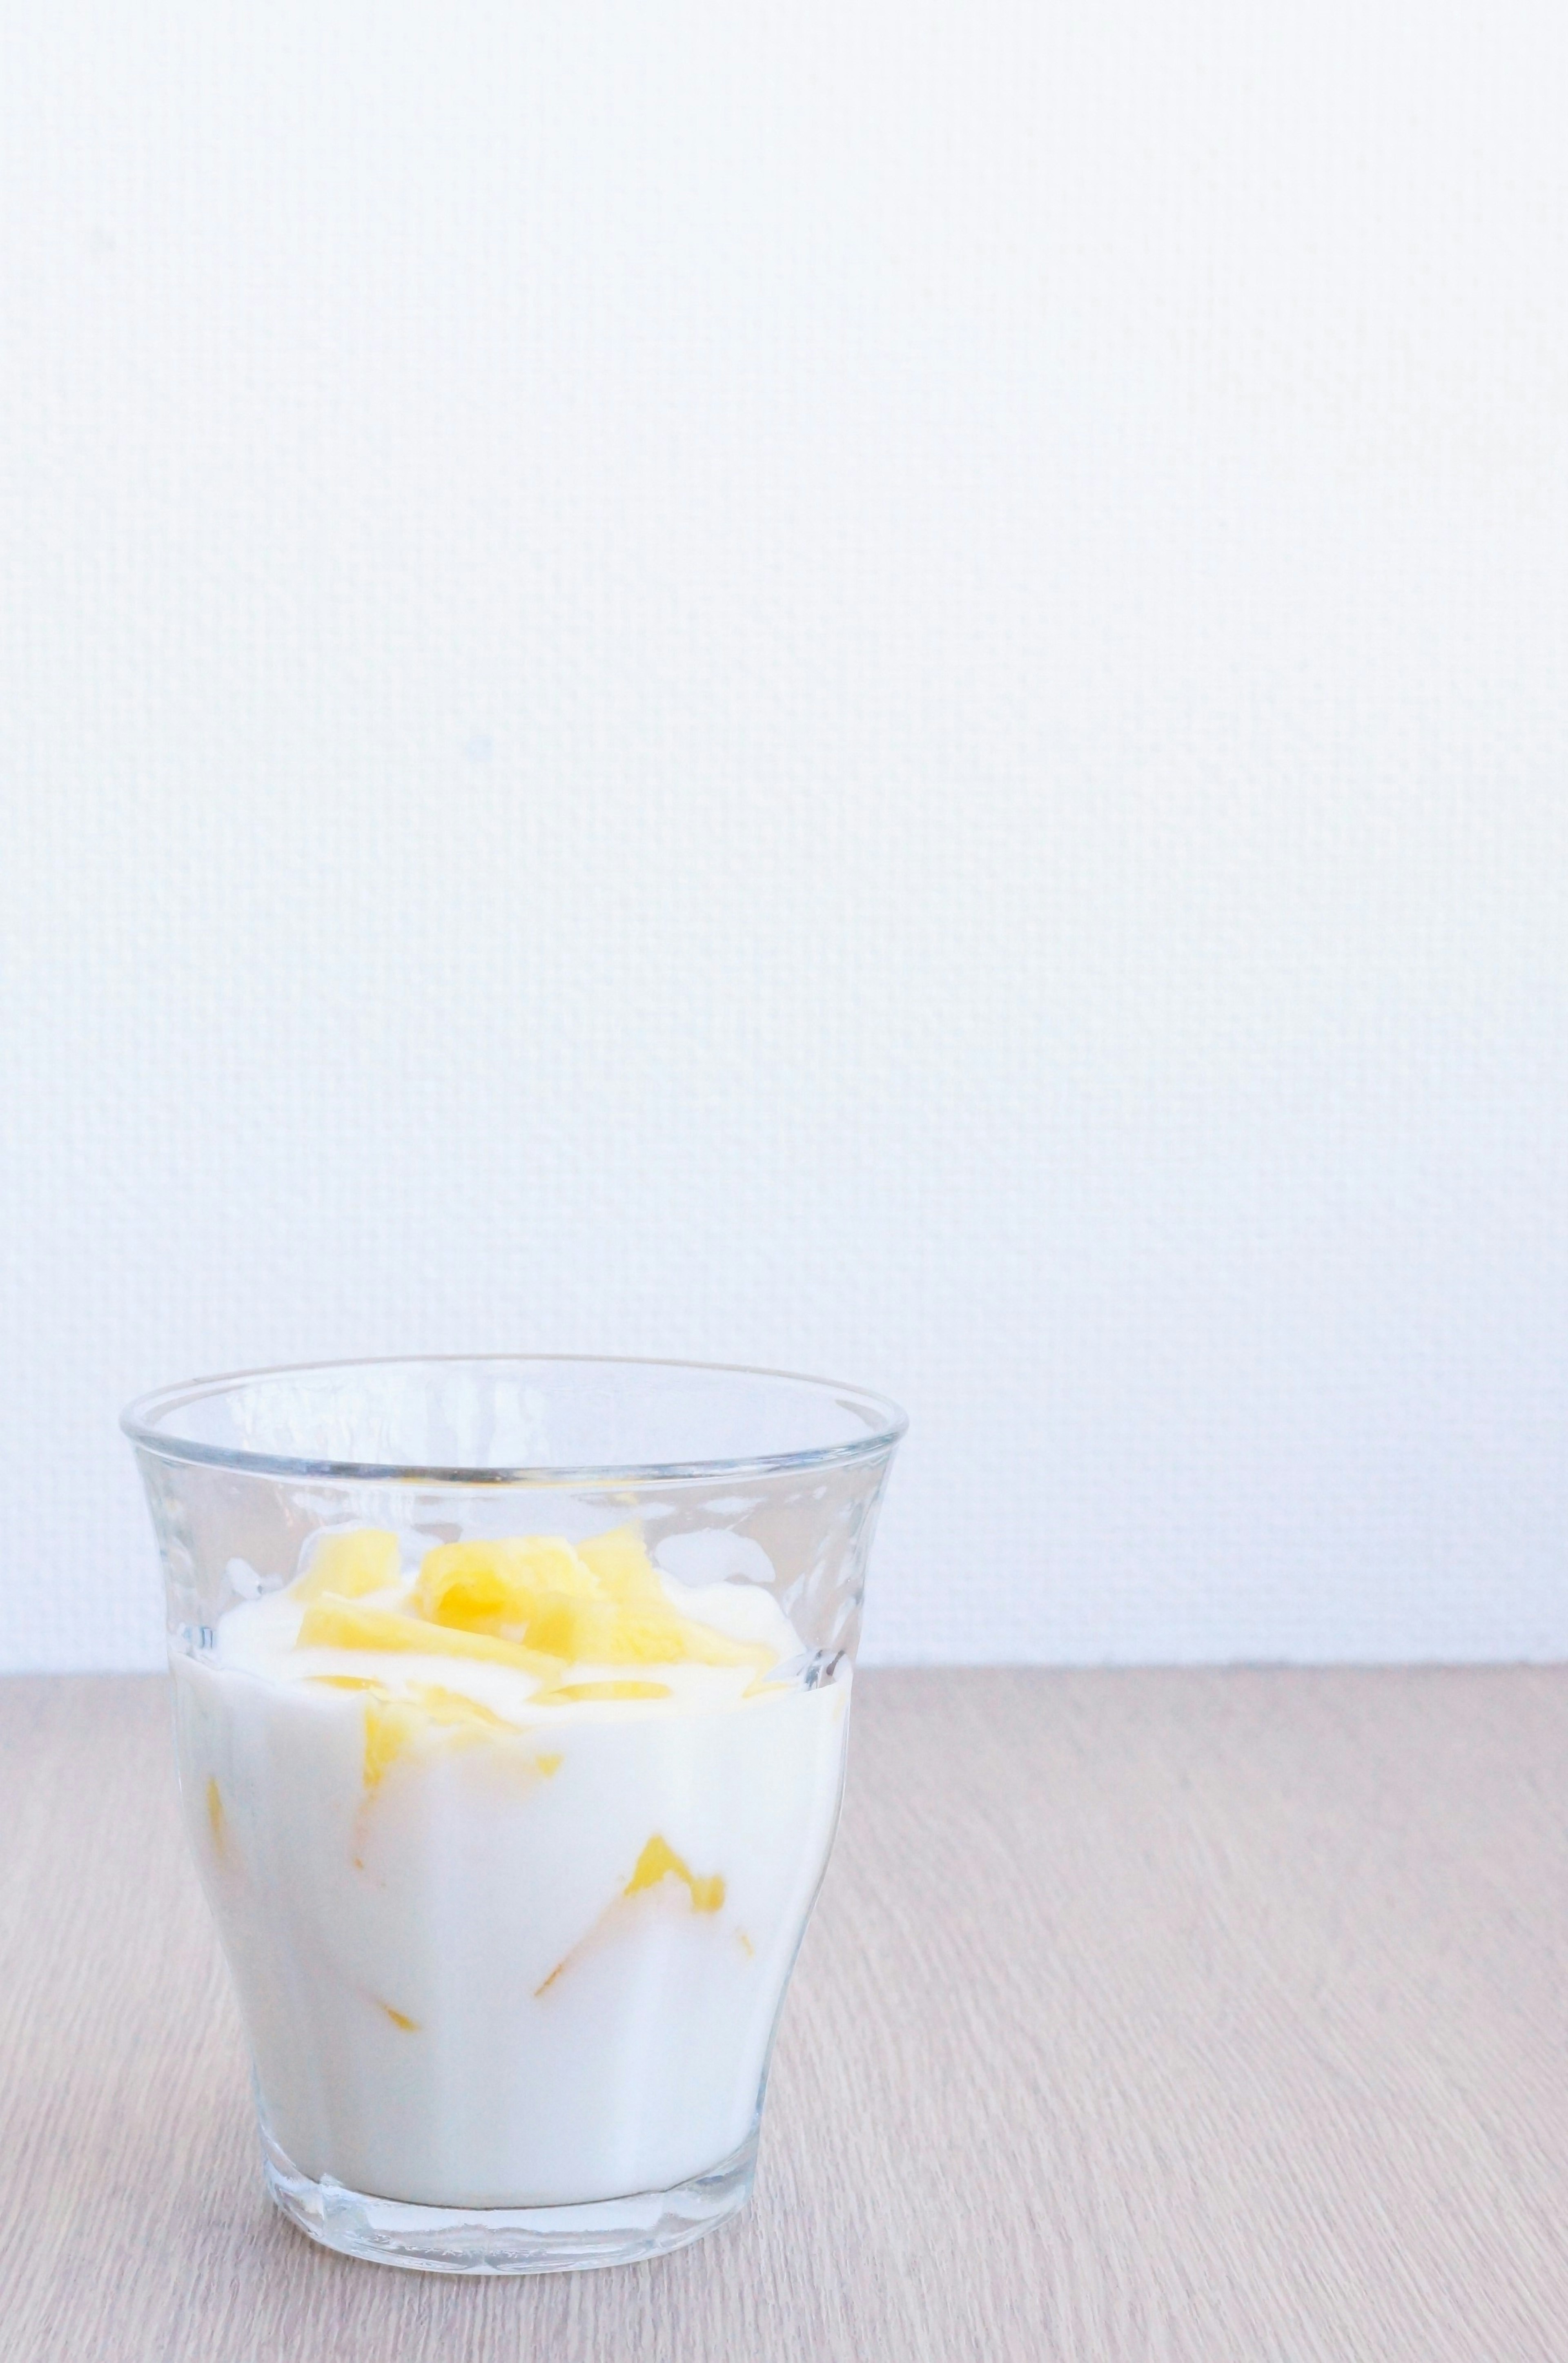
[(509, 2239)]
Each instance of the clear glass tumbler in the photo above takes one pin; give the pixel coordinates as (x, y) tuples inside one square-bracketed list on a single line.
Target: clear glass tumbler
[(511, 1701)]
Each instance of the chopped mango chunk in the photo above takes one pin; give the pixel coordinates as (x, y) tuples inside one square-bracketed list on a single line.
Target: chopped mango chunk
[(605, 1633), (392, 1721), (623, 1568), (350, 1565), (456, 1706), (601, 1604), (389, 1725), (659, 1860), (536, 1602), (491, 1587), (332, 1623)]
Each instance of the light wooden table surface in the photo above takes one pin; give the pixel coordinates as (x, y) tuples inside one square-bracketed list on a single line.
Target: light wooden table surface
[(1211, 2016)]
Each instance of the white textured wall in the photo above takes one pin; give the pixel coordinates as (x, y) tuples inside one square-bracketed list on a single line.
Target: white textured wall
[(879, 688)]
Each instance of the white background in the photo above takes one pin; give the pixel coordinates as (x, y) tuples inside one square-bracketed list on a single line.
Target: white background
[(873, 688)]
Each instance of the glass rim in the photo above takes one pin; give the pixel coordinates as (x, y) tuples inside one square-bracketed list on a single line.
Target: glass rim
[(139, 1420)]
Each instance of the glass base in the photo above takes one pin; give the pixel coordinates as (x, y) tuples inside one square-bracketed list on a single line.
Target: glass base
[(509, 2239)]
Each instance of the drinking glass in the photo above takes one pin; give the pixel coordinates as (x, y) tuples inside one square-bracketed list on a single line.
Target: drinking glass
[(511, 1705)]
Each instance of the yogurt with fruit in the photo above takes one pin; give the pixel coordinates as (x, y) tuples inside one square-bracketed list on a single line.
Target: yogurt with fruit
[(511, 1847)]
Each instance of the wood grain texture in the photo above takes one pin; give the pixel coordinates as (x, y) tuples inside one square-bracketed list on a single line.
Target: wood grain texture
[(1172, 2014)]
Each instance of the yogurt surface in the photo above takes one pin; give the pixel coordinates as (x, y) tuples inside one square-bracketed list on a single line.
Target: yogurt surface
[(510, 1854)]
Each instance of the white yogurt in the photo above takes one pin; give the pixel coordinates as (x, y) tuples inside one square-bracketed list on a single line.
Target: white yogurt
[(524, 1957)]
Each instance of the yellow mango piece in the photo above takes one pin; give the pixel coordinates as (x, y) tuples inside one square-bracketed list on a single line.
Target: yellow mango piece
[(564, 1626), (601, 1632), (623, 1567), (392, 1721), (332, 1623), (659, 1860), (350, 1565), (527, 1599), (602, 1604), (456, 1706), (389, 1725), (548, 1764), (564, 1694), (467, 1596), (491, 1587)]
